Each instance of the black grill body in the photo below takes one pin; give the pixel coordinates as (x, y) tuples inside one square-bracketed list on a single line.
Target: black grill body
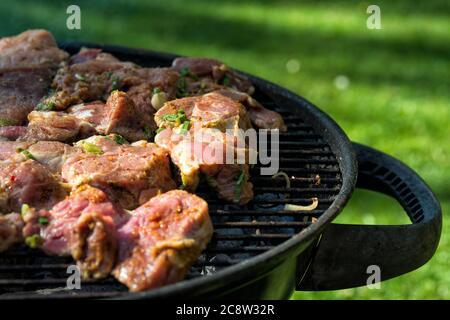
[(259, 250)]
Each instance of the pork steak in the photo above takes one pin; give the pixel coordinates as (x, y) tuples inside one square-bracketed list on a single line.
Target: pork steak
[(162, 239)]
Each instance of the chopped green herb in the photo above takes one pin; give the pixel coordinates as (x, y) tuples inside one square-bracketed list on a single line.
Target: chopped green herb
[(91, 148), (45, 106), (25, 209), (185, 126), (184, 182), (34, 241), (185, 72), (181, 88), (179, 117), (109, 74), (159, 130), (182, 115), (148, 132), (51, 92), (115, 84), (119, 139), (156, 90), (226, 81), (239, 183), (79, 77), (26, 153), (43, 221), (170, 117), (6, 122)]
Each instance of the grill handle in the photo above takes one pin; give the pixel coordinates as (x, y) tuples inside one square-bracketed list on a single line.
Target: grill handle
[(345, 252)]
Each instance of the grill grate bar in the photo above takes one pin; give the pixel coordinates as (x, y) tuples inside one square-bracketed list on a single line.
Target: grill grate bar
[(309, 161), (72, 294), (312, 143), (335, 181), (259, 224), (26, 267), (282, 213), (52, 281), (278, 201), (245, 249), (268, 236), (310, 171), (304, 190), (307, 152)]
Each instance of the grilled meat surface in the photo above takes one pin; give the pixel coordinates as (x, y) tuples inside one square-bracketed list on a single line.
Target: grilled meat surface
[(51, 154), (214, 121), (162, 239), (21, 89), (76, 154), (28, 182), (201, 75), (209, 158), (32, 48), (10, 230), (259, 116), (27, 65), (82, 225), (132, 174), (93, 75), (211, 110)]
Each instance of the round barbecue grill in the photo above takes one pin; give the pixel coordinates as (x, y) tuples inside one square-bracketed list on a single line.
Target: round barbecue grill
[(260, 250)]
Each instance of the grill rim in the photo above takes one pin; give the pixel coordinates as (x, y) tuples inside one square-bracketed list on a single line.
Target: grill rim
[(333, 135)]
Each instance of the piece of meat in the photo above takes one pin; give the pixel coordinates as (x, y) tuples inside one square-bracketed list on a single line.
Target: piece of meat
[(85, 54), (51, 154), (10, 151), (10, 230), (89, 115), (93, 75), (21, 89), (10, 133), (124, 118), (260, 117), (132, 174), (119, 115), (163, 78), (51, 126), (106, 144), (27, 64), (162, 239), (201, 75), (231, 183), (32, 48), (212, 110), (201, 147), (213, 154), (88, 80), (83, 225), (27, 182)]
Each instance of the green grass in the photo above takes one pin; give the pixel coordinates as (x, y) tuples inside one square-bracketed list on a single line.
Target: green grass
[(398, 98)]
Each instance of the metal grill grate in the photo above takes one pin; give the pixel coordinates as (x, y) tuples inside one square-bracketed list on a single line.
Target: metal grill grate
[(240, 232)]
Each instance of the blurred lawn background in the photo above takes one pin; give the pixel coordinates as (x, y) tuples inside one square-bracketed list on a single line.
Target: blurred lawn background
[(387, 88)]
